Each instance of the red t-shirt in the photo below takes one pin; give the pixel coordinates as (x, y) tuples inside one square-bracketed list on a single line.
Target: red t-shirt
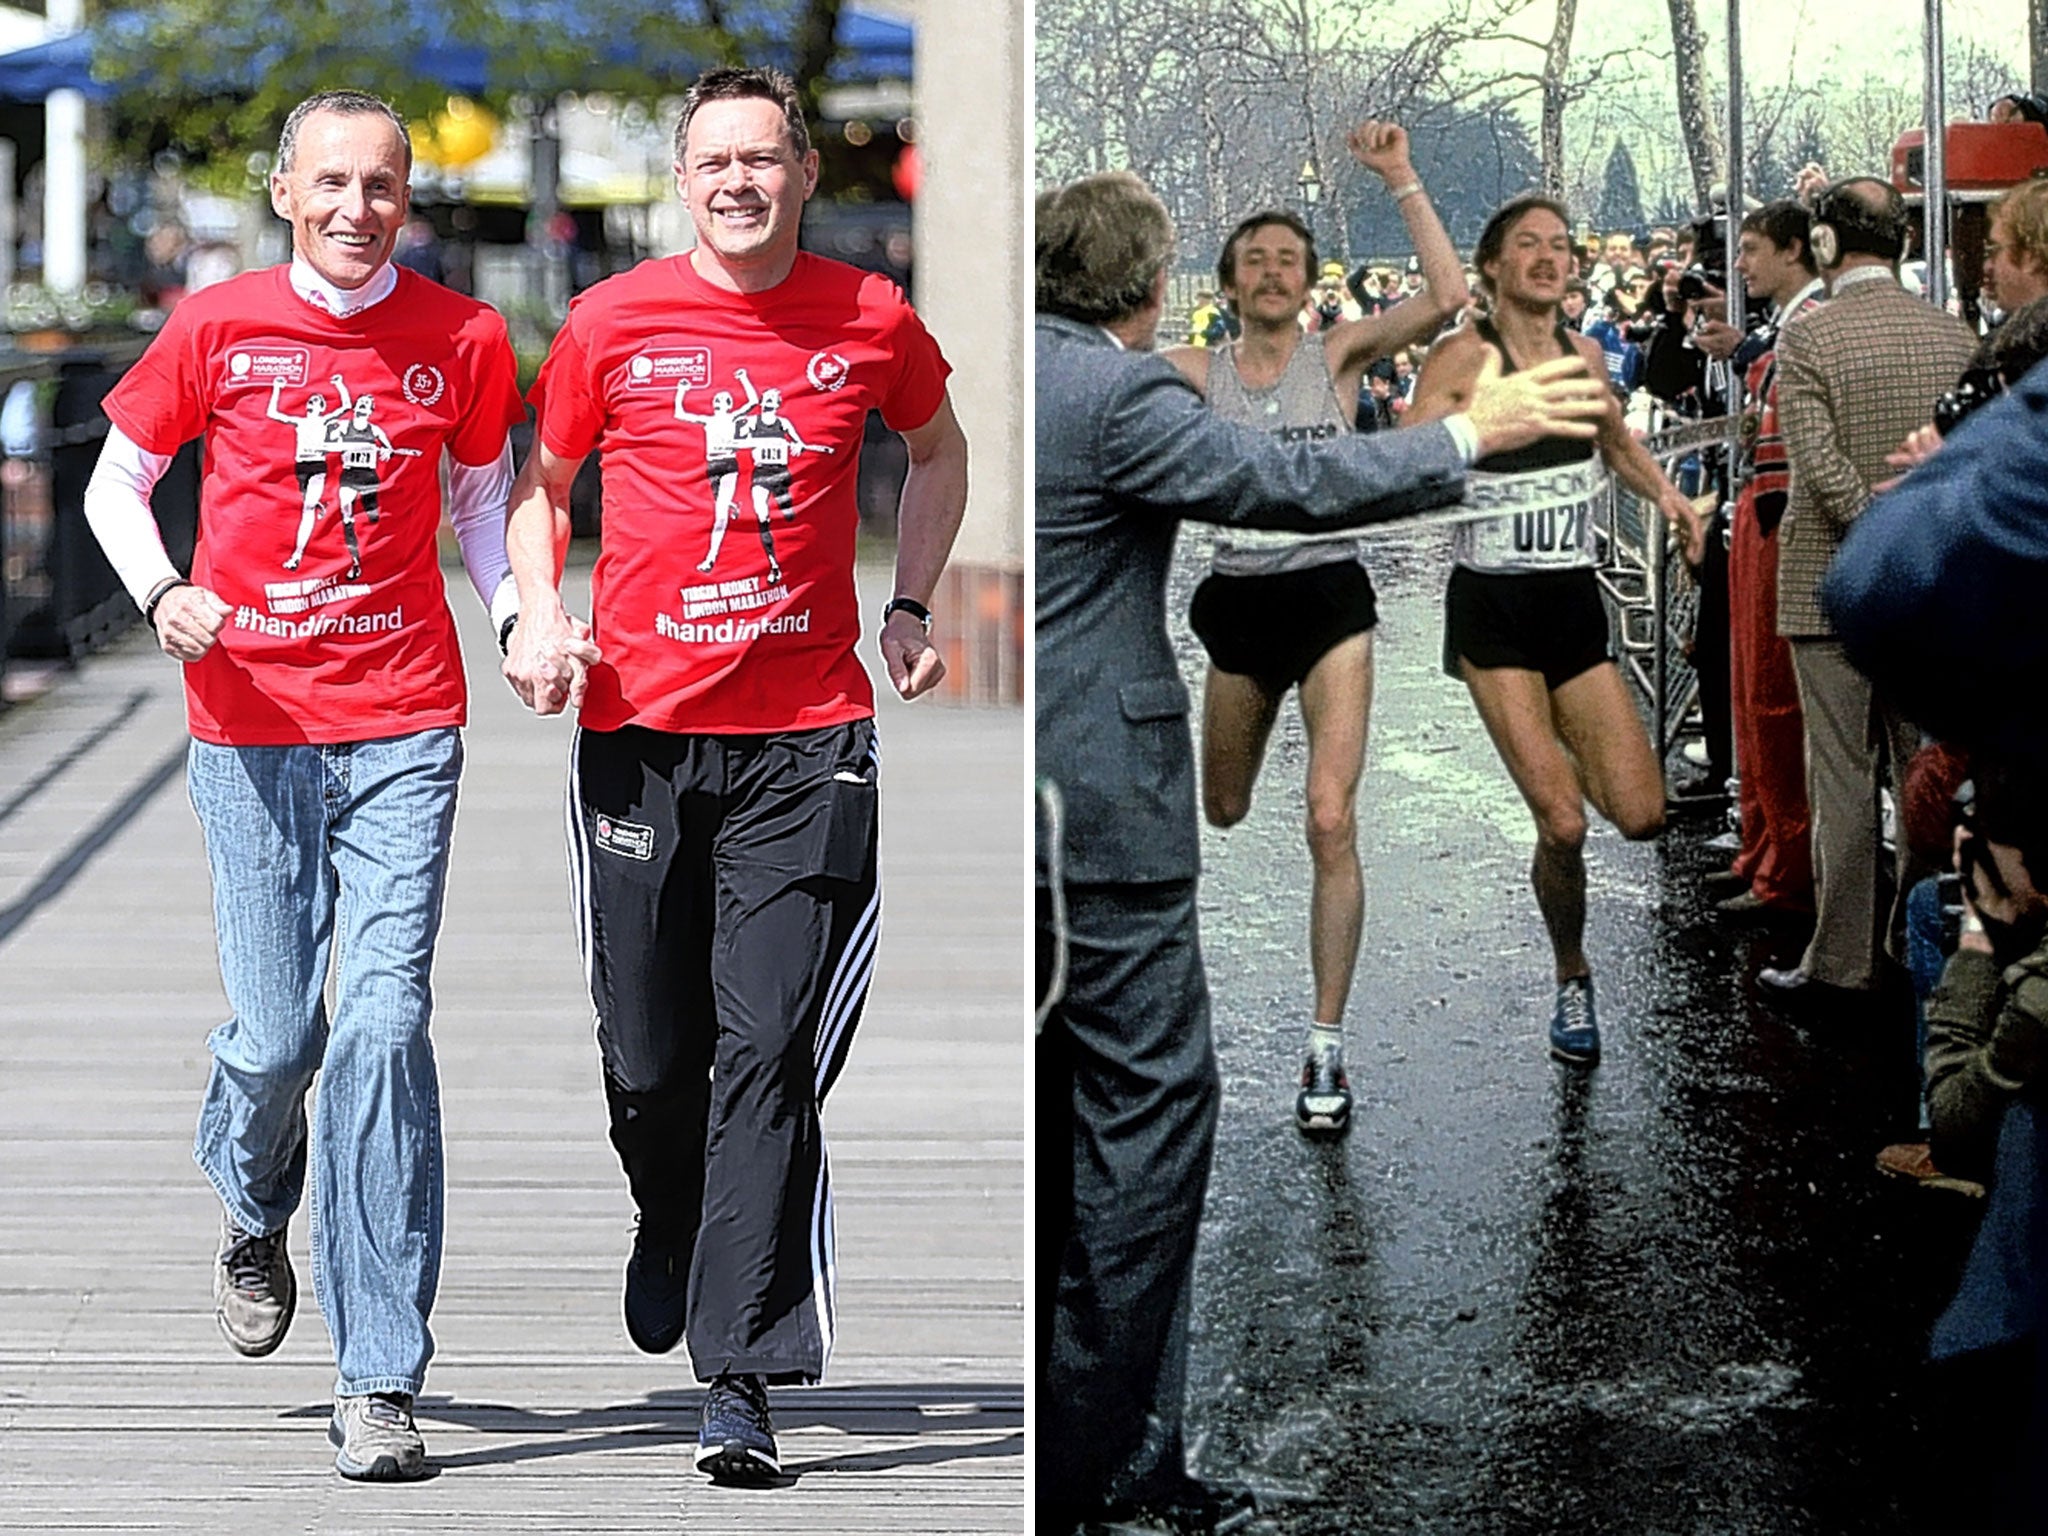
[(326, 643), (775, 388)]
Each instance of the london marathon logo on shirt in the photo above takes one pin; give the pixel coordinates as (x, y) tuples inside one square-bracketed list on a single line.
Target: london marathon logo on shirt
[(264, 366), (669, 367)]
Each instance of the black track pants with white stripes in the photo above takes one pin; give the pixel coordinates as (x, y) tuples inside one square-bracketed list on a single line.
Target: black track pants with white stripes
[(728, 906)]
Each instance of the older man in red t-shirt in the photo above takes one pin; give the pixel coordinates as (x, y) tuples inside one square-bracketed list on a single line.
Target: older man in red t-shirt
[(325, 697), (725, 773)]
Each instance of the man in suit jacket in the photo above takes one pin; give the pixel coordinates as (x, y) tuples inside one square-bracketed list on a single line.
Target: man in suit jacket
[(1126, 1077), (1855, 376)]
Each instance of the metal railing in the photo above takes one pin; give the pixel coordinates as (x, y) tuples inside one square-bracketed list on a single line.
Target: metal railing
[(1654, 602), (59, 598)]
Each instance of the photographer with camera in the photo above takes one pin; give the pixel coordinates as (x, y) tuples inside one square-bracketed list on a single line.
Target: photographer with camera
[(1987, 1024), (1684, 332)]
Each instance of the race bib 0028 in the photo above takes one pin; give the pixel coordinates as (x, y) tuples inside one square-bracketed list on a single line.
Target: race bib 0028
[(1541, 520)]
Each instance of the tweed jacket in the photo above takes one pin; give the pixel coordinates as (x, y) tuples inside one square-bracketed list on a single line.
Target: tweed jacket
[(1940, 592), (1125, 450), (1854, 377)]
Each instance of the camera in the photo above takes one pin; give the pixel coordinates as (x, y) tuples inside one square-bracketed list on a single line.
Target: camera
[(1977, 388), (1697, 282)]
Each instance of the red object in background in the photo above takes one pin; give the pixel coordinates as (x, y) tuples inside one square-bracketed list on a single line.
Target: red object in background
[(907, 173), (1981, 157), (1770, 728)]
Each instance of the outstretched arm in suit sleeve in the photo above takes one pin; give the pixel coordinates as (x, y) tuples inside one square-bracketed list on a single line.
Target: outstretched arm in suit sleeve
[(1160, 445)]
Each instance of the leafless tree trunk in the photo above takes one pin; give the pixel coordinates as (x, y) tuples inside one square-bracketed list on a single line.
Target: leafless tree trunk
[(813, 46), (2037, 42), (1215, 175), (1557, 63), (1695, 118)]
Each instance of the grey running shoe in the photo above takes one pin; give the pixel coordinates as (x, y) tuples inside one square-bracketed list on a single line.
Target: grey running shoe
[(254, 1291), (1323, 1107), (374, 1439)]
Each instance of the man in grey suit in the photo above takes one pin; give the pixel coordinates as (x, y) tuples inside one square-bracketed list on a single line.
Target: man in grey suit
[(1855, 376), (1126, 1078)]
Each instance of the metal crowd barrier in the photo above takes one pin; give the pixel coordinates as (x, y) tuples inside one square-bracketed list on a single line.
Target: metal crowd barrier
[(59, 599), (1654, 602)]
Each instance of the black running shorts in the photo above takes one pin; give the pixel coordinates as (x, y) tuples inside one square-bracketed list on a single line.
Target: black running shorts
[(1551, 622), (1273, 629)]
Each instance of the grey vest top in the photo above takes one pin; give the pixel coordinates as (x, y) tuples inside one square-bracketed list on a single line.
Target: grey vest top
[(1300, 405)]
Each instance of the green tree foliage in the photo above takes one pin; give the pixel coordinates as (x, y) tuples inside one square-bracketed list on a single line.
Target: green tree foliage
[(1621, 195), (213, 79)]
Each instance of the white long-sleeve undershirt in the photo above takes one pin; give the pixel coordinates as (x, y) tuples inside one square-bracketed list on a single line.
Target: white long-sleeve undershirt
[(117, 510)]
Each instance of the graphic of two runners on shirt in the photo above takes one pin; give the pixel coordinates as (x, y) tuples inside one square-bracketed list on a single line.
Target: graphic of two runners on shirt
[(362, 445), (769, 437)]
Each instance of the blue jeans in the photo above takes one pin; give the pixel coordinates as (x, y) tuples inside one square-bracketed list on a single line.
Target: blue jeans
[(1927, 951), (310, 844)]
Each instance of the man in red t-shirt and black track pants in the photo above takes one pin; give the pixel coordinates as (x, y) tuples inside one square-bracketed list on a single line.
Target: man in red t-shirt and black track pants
[(325, 697), (723, 779)]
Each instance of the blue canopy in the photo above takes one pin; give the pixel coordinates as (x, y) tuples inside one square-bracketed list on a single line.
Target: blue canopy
[(871, 47), (62, 64)]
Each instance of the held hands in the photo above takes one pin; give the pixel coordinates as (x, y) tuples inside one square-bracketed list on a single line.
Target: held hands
[(188, 621), (914, 663), (1559, 398), (549, 661), (1382, 148)]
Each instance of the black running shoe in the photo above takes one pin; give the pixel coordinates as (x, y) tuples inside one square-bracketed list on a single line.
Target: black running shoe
[(657, 1291), (1323, 1107)]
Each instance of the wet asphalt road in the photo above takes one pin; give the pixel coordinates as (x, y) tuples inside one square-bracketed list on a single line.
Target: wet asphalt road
[(1668, 1295)]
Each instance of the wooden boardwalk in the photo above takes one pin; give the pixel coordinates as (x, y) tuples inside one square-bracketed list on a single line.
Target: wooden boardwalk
[(122, 1409)]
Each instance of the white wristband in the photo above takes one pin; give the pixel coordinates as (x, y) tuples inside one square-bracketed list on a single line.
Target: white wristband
[(1397, 193)]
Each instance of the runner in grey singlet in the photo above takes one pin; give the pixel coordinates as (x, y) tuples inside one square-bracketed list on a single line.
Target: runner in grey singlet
[(1302, 404)]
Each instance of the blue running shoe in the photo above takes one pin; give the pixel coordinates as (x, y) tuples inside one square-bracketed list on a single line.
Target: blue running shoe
[(1574, 1033), (737, 1442)]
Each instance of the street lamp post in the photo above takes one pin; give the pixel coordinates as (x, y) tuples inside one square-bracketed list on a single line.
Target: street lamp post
[(1310, 186)]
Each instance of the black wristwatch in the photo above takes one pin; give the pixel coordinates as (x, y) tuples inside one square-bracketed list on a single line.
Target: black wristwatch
[(911, 606), (505, 635)]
